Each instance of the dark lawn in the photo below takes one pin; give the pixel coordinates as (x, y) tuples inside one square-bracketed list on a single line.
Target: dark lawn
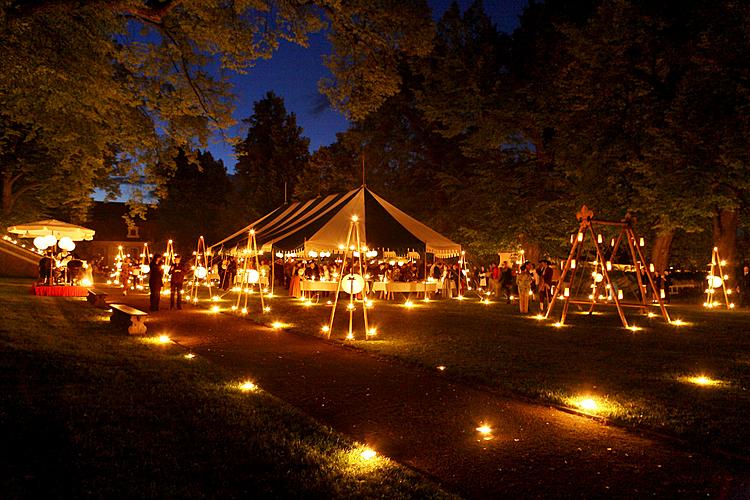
[(635, 377), (85, 411)]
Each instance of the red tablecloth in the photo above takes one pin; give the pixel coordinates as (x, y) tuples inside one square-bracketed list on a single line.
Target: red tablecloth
[(60, 291)]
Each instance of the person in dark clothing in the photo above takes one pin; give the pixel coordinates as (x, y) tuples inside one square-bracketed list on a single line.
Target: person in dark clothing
[(176, 280), (506, 281), (743, 286), (545, 284), (155, 279)]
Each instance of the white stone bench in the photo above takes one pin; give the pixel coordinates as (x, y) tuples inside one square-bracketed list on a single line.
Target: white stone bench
[(131, 317)]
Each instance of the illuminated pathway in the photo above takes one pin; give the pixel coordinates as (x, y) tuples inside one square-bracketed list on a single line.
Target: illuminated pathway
[(420, 419)]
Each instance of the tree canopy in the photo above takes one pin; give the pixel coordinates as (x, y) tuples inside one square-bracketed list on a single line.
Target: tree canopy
[(120, 86)]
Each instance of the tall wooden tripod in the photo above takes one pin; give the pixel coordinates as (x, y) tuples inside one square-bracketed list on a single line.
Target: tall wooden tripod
[(201, 268), (603, 266), (250, 277), (717, 281), (352, 283)]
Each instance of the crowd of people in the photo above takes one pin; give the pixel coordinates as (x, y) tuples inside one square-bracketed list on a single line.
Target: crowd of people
[(531, 284)]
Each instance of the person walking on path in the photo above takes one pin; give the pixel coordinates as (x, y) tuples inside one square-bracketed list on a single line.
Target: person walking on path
[(155, 281), (176, 280), (523, 281)]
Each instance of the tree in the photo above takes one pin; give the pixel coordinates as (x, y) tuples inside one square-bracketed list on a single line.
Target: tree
[(657, 91), (135, 80), (271, 157), (331, 169), (196, 201)]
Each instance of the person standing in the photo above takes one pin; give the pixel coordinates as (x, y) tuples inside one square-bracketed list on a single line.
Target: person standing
[(523, 281), (506, 281), (176, 280), (743, 286), (155, 281), (545, 284)]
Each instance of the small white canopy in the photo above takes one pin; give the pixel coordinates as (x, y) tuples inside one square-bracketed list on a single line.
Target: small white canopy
[(58, 229)]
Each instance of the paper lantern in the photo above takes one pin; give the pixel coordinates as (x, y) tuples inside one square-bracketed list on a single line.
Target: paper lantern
[(715, 281), (41, 242), (201, 272), (50, 240), (353, 283), (252, 276), (598, 278), (145, 268), (572, 263)]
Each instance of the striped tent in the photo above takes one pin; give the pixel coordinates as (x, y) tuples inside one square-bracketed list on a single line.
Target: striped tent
[(322, 224)]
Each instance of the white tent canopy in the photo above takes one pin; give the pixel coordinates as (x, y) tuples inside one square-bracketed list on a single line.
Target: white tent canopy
[(56, 228), (322, 224)]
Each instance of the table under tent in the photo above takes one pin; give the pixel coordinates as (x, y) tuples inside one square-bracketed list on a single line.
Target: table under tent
[(332, 225)]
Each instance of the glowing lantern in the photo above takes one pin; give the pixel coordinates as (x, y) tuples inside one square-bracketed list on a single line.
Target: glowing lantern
[(252, 276), (41, 242), (609, 265), (598, 277), (619, 294), (353, 283), (572, 263), (201, 272), (66, 244), (599, 238), (145, 268), (50, 240), (580, 237), (715, 281), (566, 292), (642, 242), (368, 454)]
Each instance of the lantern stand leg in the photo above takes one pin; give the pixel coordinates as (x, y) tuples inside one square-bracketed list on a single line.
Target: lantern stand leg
[(664, 312), (257, 267), (723, 281), (338, 286), (361, 273), (632, 244), (600, 256), (566, 267)]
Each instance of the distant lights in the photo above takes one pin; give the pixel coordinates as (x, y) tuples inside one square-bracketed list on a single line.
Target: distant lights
[(163, 339), (408, 304), (325, 329), (441, 368), (189, 355)]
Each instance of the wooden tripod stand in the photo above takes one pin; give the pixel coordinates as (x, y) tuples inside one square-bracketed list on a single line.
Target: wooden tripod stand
[(716, 281), (352, 283), (201, 265), (250, 278)]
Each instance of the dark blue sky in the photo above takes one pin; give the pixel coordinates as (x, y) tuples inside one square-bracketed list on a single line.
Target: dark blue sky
[(293, 73)]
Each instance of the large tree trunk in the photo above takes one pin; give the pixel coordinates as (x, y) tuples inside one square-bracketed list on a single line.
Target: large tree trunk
[(725, 238), (661, 250)]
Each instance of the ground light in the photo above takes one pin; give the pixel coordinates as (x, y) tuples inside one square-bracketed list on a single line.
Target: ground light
[(587, 403), (408, 304), (368, 454), (441, 368), (485, 431), (189, 355), (678, 322), (163, 339), (247, 386), (702, 380), (278, 325), (215, 309)]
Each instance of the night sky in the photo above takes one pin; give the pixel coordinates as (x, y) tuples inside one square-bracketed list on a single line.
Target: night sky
[(294, 71)]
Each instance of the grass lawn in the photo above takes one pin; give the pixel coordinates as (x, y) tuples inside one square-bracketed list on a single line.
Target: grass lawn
[(636, 379), (86, 411)]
